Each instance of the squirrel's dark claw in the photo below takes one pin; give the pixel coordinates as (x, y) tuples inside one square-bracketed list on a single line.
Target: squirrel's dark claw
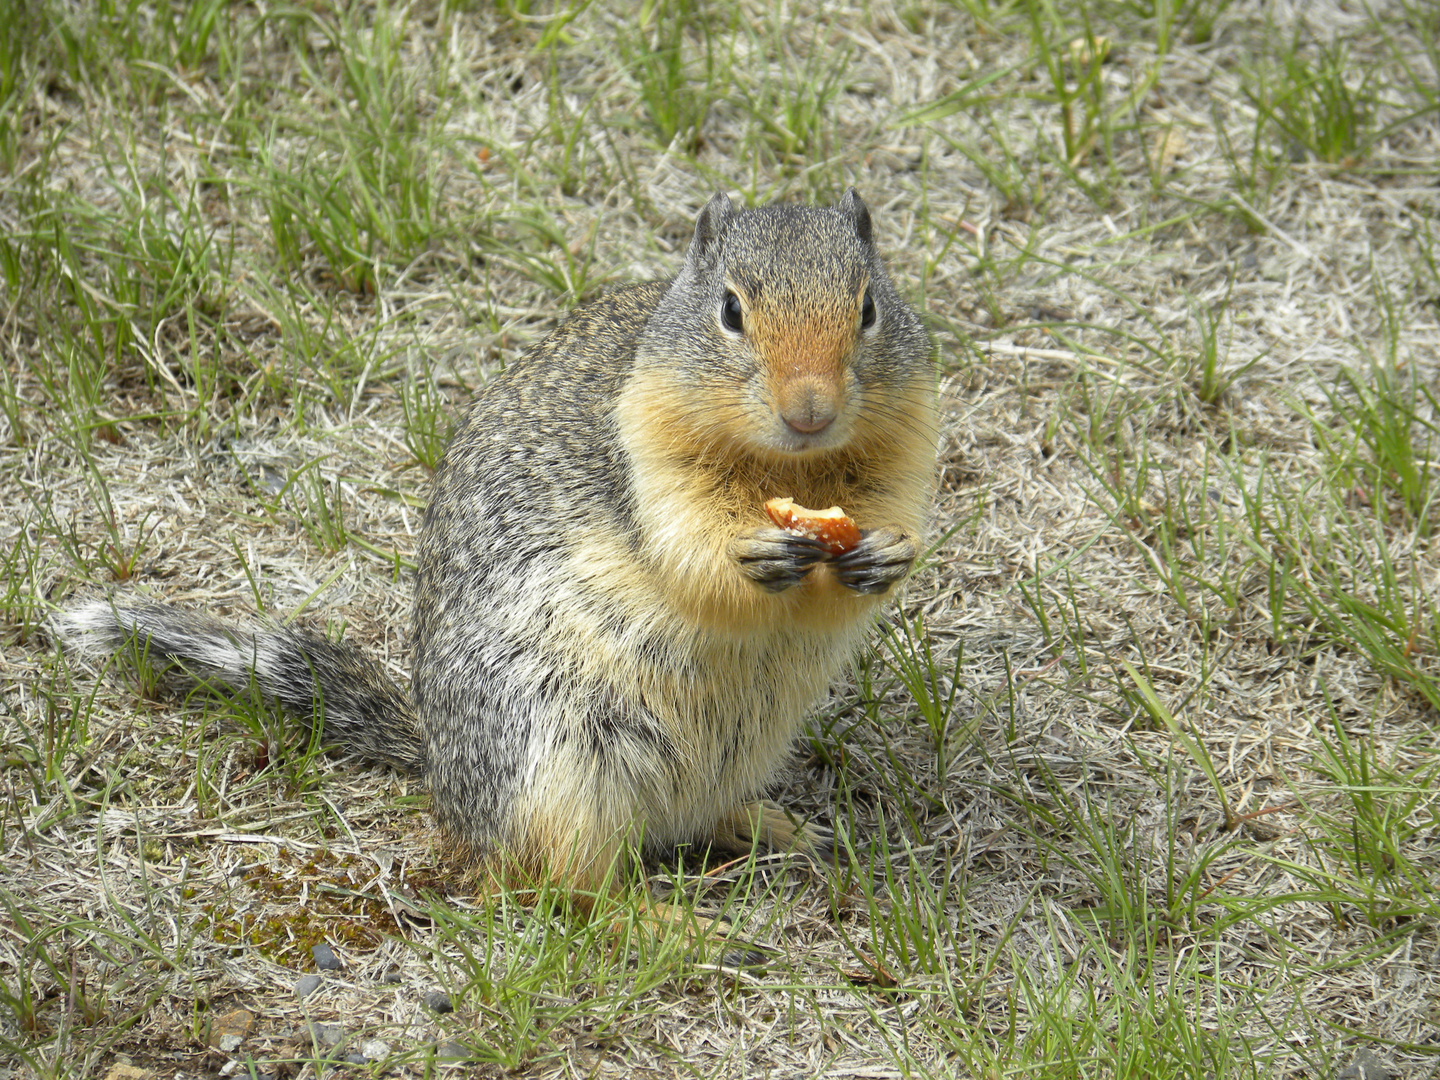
[(882, 557), (775, 559)]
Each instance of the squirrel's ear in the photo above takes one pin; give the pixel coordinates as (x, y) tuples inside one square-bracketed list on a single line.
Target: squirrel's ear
[(709, 225), (853, 207)]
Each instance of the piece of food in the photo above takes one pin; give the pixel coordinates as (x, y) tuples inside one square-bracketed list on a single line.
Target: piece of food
[(832, 527)]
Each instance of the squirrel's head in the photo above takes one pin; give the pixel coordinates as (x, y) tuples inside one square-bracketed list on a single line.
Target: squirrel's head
[(787, 327)]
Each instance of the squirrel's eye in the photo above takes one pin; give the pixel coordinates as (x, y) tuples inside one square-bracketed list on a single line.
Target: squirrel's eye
[(867, 312), (731, 316)]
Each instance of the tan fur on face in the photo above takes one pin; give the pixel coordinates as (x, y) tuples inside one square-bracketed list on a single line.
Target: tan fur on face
[(804, 355)]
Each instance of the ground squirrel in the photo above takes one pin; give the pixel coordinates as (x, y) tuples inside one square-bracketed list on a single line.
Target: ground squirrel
[(611, 642)]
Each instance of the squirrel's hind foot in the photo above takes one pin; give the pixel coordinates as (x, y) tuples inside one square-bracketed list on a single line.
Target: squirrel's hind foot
[(765, 825)]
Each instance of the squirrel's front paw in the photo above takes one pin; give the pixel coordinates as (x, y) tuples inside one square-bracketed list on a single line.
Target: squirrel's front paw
[(774, 559), (882, 557)]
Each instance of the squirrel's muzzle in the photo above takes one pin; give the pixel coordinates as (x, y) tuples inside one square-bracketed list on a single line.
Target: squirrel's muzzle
[(807, 360), (809, 404)]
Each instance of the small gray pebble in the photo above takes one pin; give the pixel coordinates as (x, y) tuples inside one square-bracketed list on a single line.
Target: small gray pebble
[(1367, 1066), (307, 985), (392, 976), (325, 958), (439, 1001), (452, 1051), (268, 480), (327, 1035), (355, 1059)]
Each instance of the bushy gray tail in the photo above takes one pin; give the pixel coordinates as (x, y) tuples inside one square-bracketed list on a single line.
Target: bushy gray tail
[(363, 711)]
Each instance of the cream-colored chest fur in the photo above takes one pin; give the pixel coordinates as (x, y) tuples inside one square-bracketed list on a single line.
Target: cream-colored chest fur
[(695, 499)]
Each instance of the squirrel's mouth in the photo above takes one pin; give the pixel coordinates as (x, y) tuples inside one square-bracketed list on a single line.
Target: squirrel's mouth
[(785, 439), (757, 430)]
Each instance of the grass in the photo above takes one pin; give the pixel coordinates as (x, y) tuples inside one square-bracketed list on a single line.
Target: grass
[(1310, 104), (678, 79), (1138, 780)]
